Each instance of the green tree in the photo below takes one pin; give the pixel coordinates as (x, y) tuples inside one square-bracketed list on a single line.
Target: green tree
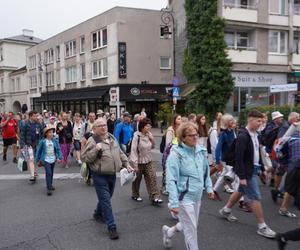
[(206, 63)]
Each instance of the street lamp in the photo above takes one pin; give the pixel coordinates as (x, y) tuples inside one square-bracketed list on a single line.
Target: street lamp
[(41, 64), (167, 18)]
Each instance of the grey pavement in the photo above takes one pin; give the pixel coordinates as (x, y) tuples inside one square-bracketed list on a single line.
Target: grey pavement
[(31, 220)]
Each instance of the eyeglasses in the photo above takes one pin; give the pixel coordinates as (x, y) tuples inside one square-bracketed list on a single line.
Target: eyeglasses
[(192, 135), (101, 126)]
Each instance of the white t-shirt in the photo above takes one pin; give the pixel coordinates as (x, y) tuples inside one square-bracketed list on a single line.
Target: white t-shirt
[(76, 131), (50, 154), (255, 142)]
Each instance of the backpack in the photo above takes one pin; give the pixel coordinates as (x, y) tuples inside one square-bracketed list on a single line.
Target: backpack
[(162, 144), (268, 139), (229, 156)]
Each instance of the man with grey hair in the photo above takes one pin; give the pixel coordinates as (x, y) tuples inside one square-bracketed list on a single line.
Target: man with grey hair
[(104, 157), (282, 164)]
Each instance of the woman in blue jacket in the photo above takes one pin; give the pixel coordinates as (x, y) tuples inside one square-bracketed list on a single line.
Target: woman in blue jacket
[(48, 152), (187, 175)]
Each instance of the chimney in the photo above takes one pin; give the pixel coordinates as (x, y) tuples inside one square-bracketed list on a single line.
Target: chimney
[(27, 32)]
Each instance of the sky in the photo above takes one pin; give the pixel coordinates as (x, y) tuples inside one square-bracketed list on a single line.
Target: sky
[(49, 17)]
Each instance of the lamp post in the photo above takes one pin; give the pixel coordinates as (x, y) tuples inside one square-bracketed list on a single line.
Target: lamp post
[(167, 18), (41, 64)]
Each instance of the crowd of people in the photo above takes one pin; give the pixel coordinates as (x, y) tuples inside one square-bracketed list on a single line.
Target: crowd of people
[(196, 157)]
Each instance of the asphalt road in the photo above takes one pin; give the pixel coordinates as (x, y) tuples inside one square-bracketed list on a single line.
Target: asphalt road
[(31, 220)]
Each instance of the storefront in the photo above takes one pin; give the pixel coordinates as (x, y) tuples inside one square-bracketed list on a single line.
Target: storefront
[(253, 90)]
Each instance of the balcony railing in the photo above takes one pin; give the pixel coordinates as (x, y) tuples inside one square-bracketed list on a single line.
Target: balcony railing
[(242, 48), (240, 6)]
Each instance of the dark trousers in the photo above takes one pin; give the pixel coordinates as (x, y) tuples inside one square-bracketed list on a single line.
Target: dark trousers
[(105, 185), (49, 169), (293, 235)]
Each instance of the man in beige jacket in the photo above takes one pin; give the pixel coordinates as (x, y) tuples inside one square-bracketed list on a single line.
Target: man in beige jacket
[(105, 158)]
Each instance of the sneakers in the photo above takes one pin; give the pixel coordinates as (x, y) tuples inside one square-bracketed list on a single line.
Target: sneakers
[(266, 232), (15, 160), (227, 215), (113, 234), (79, 162), (166, 240), (157, 201), (228, 189), (32, 179), (281, 244), (49, 192), (4, 157), (137, 199)]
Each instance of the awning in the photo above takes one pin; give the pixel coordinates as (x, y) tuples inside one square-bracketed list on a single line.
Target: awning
[(187, 89), (147, 92), (91, 93)]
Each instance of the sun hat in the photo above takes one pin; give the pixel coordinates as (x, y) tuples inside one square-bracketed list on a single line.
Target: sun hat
[(276, 115), (48, 128)]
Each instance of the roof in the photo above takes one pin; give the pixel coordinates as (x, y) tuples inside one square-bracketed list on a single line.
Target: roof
[(24, 39), (19, 70)]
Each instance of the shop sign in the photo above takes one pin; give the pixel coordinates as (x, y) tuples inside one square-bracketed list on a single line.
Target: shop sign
[(248, 79), (284, 88), (138, 91), (122, 60)]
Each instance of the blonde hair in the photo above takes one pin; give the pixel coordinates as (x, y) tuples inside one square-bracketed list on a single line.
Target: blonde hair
[(184, 128), (225, 120)]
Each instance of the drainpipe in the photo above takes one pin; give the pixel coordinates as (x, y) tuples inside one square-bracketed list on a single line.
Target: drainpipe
[(291, 35)]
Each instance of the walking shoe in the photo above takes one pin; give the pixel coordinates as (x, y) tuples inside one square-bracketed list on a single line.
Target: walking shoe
[(4, 157), (266, 232), (98, 217), (274, 195), (113, 234), (79, 162), (228, 189), (138, 199), (15, 160), (52, 188), (281, 244), (166, 240), (157, 201), (287, 213), (227, 216), (32, 179), (49, 192)]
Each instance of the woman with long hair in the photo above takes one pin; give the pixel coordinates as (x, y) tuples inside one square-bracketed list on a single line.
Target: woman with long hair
[(202, 130)]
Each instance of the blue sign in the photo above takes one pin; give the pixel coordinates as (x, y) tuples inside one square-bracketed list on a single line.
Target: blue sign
[(176, 91)]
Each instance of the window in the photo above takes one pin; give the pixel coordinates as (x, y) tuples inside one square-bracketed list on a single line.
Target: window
[(57, 53), (99, 39), (1, 54), (165, 62), (82, 71), (49, 56), (40, 79), (32, 62), (278, 7), (245, 4), (70, 48), (50, 78), (58, 76), (278, 42), (99, 69), (237, 39), (39, 58), (32, 82), (18, 84), (163, 30), (82, 44), (71, 74), (297, 7), (2, 85), (13, 87)]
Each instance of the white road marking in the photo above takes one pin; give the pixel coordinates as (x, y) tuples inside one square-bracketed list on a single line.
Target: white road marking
[(69, 176)]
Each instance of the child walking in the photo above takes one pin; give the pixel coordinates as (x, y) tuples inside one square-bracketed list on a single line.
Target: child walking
[(47, 153)]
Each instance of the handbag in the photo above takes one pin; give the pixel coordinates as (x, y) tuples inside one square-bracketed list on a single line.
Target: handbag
[(22, 164), (84, 170)]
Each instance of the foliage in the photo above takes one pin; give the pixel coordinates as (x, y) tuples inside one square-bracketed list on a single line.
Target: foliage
[(206, 62), (164, 113), (285, 110)]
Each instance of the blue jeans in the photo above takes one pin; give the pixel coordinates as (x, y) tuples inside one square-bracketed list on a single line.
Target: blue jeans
[(49, 169), (105, 185)]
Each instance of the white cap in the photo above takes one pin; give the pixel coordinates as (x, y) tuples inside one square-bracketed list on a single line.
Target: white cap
[(126, 177), (276, 115)]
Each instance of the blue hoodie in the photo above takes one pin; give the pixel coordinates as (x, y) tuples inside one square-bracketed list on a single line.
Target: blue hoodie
[(187, 171), (123, 133)]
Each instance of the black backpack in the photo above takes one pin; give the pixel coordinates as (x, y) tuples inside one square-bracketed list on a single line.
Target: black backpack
[(162, 144), (229, 156), (268, 139)]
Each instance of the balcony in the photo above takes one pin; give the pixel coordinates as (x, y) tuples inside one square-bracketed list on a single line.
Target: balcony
[(239, 12), (242, 55), (279, 59)]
